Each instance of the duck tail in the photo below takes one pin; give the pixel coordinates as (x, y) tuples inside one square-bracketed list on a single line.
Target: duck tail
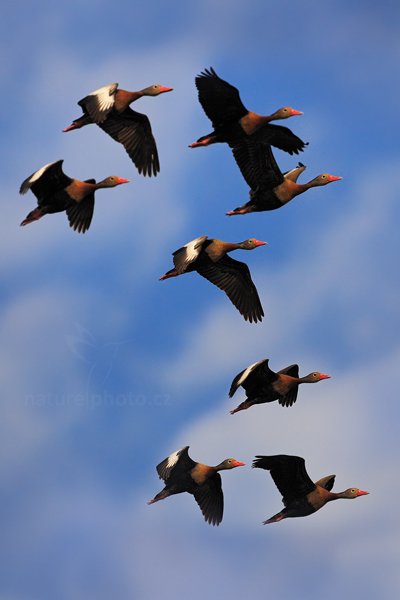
[(168, 274), (160, 496), (278, 517), (242, 406), (34, 215)]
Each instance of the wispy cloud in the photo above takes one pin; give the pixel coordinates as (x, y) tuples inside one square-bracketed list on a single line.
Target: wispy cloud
[(75, 479)]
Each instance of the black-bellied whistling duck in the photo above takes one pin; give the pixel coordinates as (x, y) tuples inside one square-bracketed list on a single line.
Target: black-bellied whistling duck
[(108, 107), (264, 385), (270, 188), (232, 121), (301, 496), (209, 258), (56, 192), (182, 474)]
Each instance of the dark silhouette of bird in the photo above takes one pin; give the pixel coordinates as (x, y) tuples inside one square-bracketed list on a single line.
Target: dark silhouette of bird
[(269, 187), (209, 258), (301, 496), (232, 121), (56, 192), (182, 474), (264, 385), (108, 107)]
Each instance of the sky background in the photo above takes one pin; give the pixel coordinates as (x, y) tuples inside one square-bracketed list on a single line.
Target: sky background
[(105, 370)]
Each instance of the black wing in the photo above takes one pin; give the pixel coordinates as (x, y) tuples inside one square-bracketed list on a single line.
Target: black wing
[(233, 277), (260, 379), (257, 164), (292, 370), (326, 482), (99, 103), (280, 137), (220, 100), (210, 498), (289, 475), (253, 378), (291, 396), (185, 256), (46, 182), (176, 463), (80, 214), (133, 131)]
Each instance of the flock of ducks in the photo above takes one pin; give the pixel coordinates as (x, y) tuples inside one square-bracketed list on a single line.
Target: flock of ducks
[(251, 137)]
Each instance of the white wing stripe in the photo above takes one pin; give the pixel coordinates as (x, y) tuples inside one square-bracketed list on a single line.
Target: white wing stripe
[(40, 172), (193, 249), (102, 100), (247, 372), (173, 458), (26, 185)]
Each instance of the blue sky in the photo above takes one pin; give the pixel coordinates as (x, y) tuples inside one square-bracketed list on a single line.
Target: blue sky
[(105, 370)]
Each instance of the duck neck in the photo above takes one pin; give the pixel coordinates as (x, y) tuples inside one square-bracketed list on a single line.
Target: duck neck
[(310, 184), (99, 185), (299, 188), (124, 98), (264, 119), (229, 246), (220, 467), (305, 379), (274, 117), (337, 495), (236, 246)]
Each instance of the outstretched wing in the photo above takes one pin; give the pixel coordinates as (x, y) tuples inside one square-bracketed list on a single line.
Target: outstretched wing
[(220, 100), (326, 482), (251, 376), (293, 174), (291, 396), (289, 475), (186, 255), (280, 137), (80, 214), (257, 164), (99, 103), (175, 463), (210, 498), (233, 277), (133, 131), (46, 181)]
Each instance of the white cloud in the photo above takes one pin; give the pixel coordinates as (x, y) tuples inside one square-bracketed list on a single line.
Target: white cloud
[(339, 426), (337, 270), (107, 541)]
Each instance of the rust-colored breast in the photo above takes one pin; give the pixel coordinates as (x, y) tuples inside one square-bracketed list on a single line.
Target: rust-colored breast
[(319, 497), (216, 250), (283, 384), (78, 190), (200, 473), (286, 191), (251, 122)]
